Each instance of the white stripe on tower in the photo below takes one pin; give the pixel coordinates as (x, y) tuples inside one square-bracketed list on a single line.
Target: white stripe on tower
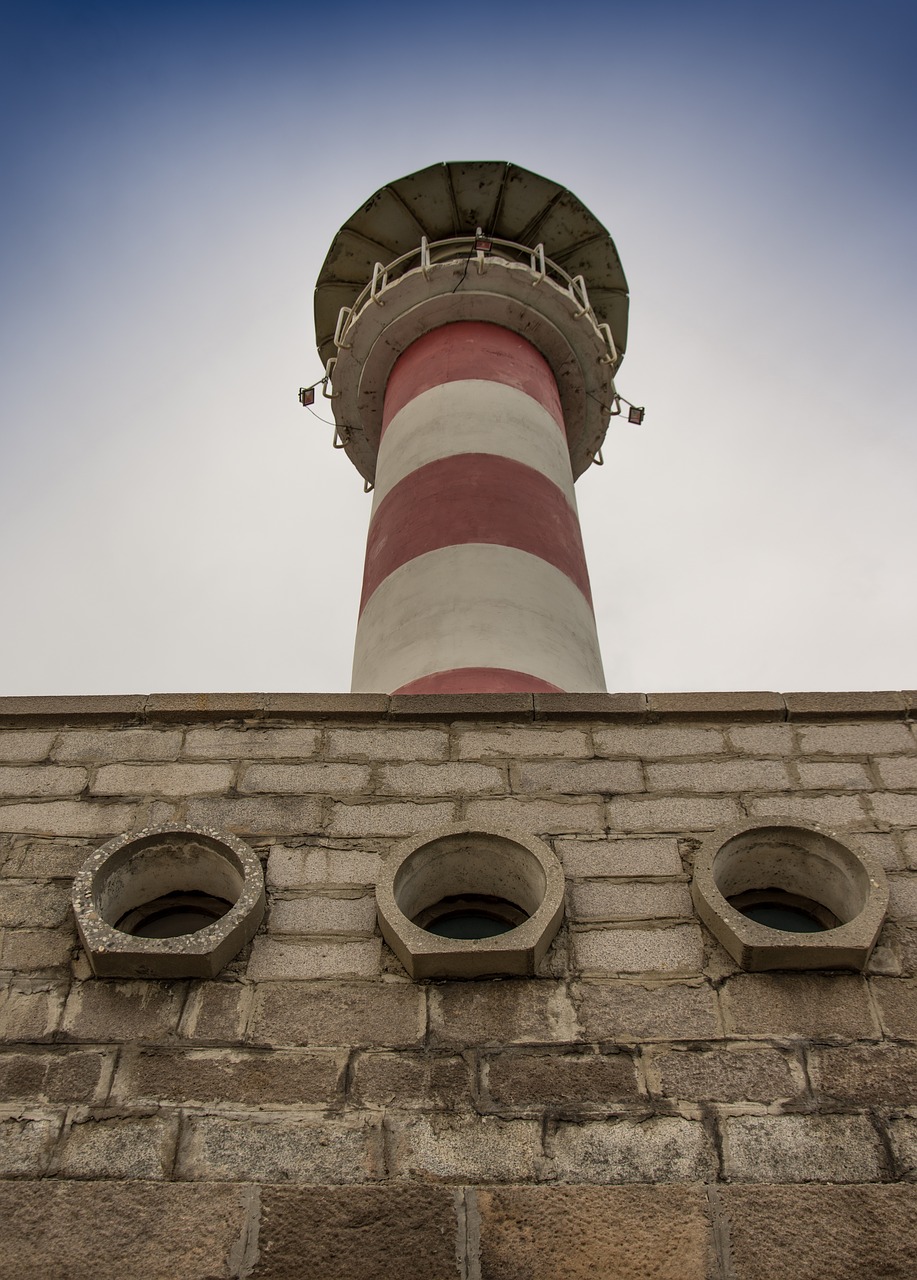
[(475, 578), (487, 418)]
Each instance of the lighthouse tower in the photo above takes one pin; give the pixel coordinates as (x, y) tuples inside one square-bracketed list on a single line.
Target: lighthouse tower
[(471, 318)]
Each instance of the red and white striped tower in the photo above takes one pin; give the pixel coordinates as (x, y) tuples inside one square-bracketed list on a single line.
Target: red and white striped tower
[(472, 317)]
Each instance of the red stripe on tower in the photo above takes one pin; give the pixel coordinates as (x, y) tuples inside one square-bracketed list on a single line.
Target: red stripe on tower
[(470, 678), (473, 350), (468, 498)]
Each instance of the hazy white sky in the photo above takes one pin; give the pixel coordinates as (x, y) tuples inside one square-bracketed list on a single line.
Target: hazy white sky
[(171, 519)]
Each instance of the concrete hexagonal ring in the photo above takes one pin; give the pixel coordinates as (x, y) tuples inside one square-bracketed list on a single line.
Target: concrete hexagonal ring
[(841, 882), (144, 867), (454, 863)]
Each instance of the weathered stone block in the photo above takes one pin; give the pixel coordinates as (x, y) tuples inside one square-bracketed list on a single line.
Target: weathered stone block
[(902, 1131), (671, 813), (830, 811), (674, 950), (896, 810), (581, 1233), (520, 743), (202, 706), (508, 1012), (22, 950), (763, 740), (903, 943), (411, 1080), (902, 897), (52, 1076), (888, 956), (388, 819), (821, 1232), (357, 1233), (216, 1012), (119, 1148), (299, 868), (106, 1011), (881, 844), (458, 706), (806, 1005), (909, 844), (161, 779), (256, 1148), (590, 706), (628, 1013), (719, 776), (67, 818), (579, 777), (272, 959), (24, 746), (725, 1075), (300, 779), (349, 1014), (463, 1148), (896, 999), (640, 857), (41, 780), (106, 1230), (629, 900), (327, 706), (752, 705), (440, 780), (657, 741), (825, 706), (856, 739), (39, 905), (47, 859), (25, 1146), (29, 1010), (254, 815), (801, 1148), (247, 1077), (568, 1081), (95, 746), (323, 914), (866, 1074), (374, 744), (541, 817), (834, 775), (228, 743), (661, 1149), (63, 708)]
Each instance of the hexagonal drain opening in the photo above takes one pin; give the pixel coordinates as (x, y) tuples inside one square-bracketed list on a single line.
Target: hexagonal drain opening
[(459, 903), (168, 902), (173, 915), (471, 916), (788, 897)]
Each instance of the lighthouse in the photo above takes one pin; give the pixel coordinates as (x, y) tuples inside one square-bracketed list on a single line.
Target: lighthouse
[(470, 319)]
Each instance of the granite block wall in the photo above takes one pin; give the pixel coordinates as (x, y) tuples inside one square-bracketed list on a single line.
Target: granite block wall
[(639, 1108)]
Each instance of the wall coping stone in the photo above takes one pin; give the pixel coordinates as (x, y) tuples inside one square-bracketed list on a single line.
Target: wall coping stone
[(831, 706), (752, 706), (591, 706), (635, 708)]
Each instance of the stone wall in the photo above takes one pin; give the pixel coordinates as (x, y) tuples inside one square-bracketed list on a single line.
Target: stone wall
[(639, 1108)]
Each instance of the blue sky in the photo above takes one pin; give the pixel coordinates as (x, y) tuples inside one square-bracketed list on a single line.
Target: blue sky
[(174, 173)]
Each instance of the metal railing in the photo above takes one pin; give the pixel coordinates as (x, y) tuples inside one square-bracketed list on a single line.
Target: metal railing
[(481, 249)]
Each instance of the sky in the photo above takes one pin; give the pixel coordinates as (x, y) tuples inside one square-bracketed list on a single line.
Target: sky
[(172, 520)]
